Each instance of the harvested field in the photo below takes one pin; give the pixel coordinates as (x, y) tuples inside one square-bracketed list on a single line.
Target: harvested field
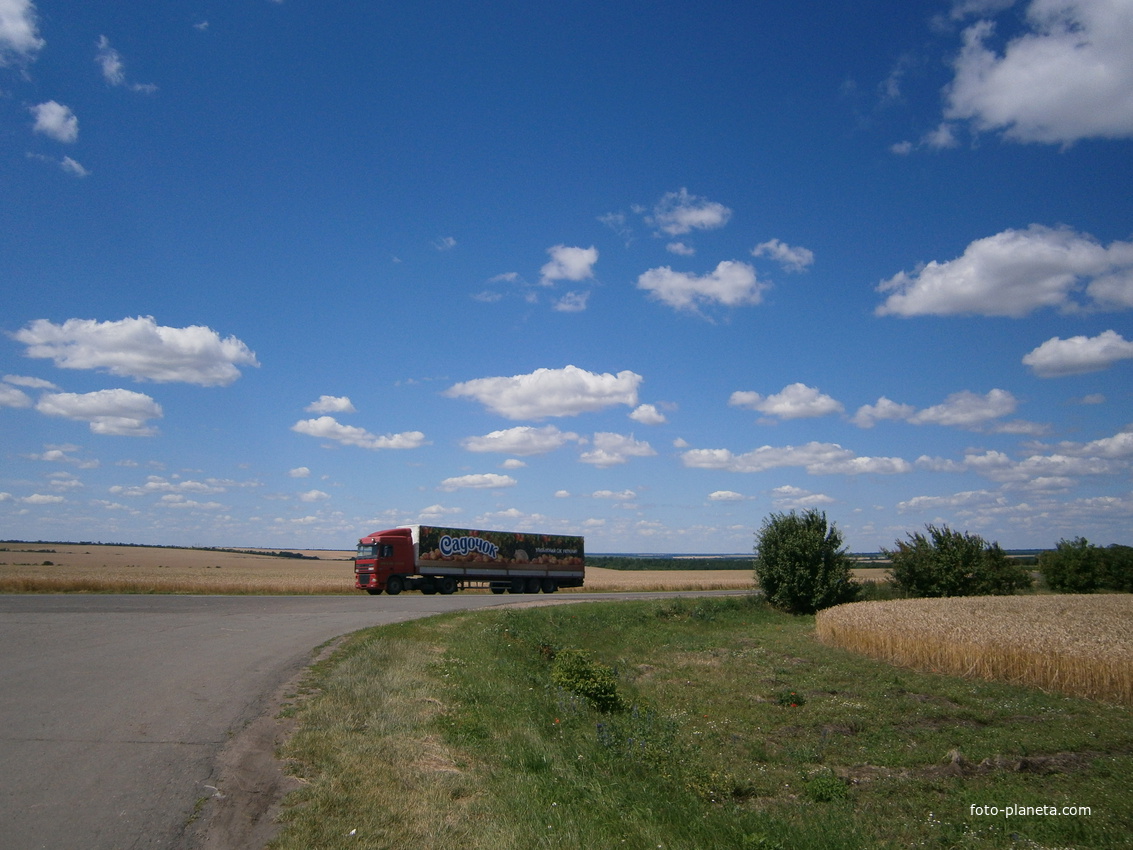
[(93, 568), (56, 568), (1074, 644)]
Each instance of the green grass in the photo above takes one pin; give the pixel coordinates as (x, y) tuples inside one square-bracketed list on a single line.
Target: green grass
[(732, 728)]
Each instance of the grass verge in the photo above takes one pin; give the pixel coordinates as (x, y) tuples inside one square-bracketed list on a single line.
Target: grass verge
[(683, 724)]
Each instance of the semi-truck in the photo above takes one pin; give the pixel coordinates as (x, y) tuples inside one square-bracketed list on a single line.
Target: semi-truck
[(437, 559)]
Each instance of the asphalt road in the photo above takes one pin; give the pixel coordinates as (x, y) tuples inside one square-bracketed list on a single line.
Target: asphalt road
[(114, 709)]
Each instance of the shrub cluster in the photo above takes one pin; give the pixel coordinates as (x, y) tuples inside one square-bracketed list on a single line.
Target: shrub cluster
[(1078, 566), (801, 564), (576, 670), (950, 563)]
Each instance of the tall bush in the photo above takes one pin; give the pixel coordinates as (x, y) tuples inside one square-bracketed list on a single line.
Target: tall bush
[(1119, 568), (950, 563), (1078, 566), (1073, 566), (801, 564)]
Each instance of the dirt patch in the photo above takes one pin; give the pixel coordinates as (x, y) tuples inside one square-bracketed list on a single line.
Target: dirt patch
[(956, 765), (249, 783), (1064, 762)]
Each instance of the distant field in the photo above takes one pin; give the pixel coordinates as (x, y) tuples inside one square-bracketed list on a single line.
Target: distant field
[(93, 568)]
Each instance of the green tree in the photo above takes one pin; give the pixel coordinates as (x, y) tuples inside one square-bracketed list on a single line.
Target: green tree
[(801, 564), (951, 563), (1118, 568), (1074, 566)]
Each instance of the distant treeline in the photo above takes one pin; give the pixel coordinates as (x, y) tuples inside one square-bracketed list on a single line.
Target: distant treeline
[(636, 562), (281, 554), (1025, 557), (264, 552)]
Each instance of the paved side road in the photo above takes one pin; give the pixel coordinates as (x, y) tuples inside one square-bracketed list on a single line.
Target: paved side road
[(113, 709)]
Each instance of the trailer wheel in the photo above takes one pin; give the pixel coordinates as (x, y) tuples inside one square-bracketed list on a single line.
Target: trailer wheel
[(497, 588), (394, 585), (549, 585), (518, 585), (446, 585), (533, 585)]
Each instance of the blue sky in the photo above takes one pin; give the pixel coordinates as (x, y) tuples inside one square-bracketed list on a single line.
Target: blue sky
[(281, 274)]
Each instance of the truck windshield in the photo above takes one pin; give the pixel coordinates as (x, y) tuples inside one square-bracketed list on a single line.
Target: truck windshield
[(367, 553)]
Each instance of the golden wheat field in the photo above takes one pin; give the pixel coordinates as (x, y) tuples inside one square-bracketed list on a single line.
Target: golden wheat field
[(1074, 644), (60, 568)]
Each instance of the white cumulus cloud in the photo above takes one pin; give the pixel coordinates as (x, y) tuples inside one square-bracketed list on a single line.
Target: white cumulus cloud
[(112, 412), (569, 263), (550, 392), (523, 440), (31, 383), (648, 414), (963, 409), (614, 449), (1069, 77), (113, 67), (617, 496), (73, 167), (41, 499), (19, 31), (793, 259), (478, 481), (730, 284), (967, 409), (55, 120), (789, 498), (816, 458), (795, 401), (1014, 273), (329, 428), (572, 302), (331, 404), (1078, 354), (869, 415), (139, 348), (678, 213), (726, 496), (12, 397), (110, 61), (157, 484)]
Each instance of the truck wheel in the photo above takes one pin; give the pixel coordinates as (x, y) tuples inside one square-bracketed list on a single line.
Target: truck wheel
[(394, 585), (518, 585), (549, 585), (533, 585), (429, 586), (447, 585), (373, 591)]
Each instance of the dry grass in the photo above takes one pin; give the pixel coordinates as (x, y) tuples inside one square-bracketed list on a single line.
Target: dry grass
[(130, 569), (1079, 645)]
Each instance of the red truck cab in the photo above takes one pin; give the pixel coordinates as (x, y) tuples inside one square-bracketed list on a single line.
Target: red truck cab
[(381, 555)]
